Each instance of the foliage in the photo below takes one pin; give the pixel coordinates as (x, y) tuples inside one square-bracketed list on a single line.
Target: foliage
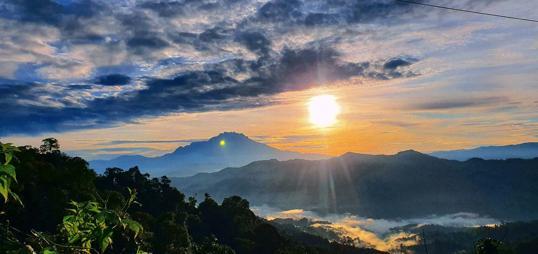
[(50, 145), (8, 174), (88, 224), (491, 246), (70, 209)]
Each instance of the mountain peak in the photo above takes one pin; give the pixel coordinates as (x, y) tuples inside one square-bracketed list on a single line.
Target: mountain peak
[(230, 135), (227, 149), (235, 138), (411, 153)]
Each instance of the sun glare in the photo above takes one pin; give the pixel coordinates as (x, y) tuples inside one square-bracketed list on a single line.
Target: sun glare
[(323, 110)]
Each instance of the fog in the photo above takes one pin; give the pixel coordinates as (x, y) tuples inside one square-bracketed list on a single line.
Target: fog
[(381, 234)]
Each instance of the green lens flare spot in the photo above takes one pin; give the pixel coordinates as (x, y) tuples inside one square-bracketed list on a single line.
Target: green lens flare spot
[(222, 143)]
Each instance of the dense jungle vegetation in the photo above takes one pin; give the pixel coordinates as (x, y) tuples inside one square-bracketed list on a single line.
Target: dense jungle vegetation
[(53, 203)]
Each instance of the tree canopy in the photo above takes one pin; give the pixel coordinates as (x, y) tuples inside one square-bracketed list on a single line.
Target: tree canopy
[(68, 208)]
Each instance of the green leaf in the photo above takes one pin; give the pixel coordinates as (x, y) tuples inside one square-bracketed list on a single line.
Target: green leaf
[(9, 170), (73, 238), (68, 218), (9, 157), (8, 150), (105, 239), (4, 188), (49, 251), (16, 198), (133, 226)]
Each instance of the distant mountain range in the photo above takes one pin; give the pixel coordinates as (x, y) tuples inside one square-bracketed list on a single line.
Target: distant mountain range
[(523, 151), (405, 185), (228, 149)]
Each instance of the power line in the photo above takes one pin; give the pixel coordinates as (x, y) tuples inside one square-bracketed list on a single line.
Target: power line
[(468, 11)]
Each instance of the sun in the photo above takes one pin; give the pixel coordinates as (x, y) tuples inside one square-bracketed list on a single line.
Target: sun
[(323, 110)]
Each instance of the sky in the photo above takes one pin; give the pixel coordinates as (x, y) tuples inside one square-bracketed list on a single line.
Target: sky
[(144, 77)]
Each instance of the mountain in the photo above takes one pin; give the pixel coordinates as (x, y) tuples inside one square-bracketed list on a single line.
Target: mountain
[(524, 151), (228, 149), (408, 184)]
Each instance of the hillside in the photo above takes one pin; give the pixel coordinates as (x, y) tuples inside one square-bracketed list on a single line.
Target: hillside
[(404, 185), (63, 207), (228, 149), (523, 151)]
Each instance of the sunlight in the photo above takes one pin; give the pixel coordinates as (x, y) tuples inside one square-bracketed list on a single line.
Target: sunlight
[(323, 110)]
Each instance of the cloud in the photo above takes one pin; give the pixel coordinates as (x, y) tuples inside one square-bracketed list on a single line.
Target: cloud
[(381, 234), (401, 124), (194, 91), (51, 12), (255, 41), (91, 64), (121, 142), (113, 152), (393, 64), (113, 80), (442, 104)]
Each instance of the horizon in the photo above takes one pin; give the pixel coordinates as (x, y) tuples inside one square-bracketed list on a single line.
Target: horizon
[(327, 82), (110, 154), (269, 126)]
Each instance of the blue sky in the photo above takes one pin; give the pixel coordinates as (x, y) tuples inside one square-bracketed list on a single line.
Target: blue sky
[(114, 70)]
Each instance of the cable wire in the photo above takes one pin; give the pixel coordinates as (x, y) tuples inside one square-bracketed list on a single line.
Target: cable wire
[(467, 11)]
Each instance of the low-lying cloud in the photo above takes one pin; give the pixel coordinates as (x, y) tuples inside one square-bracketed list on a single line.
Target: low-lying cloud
[(381, 234)]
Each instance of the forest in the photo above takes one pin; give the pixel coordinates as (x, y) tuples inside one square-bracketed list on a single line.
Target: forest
[(53, 203)]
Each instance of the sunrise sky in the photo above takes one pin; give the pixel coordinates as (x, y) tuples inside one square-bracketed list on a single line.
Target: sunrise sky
[(143, 77)]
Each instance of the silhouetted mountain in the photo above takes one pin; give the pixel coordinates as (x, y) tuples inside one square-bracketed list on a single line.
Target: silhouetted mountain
[(404, 185), (228, 149), (522, 151)]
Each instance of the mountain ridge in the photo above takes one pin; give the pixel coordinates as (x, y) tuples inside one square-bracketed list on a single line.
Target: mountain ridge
[(527, 150), (221, 151), (403, 185)]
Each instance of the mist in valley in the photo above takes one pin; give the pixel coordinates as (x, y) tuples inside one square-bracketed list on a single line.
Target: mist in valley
[(381, 234)]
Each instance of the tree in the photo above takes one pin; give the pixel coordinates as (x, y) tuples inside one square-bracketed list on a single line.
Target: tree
[(50, 145), (100, 219), (491, 246)]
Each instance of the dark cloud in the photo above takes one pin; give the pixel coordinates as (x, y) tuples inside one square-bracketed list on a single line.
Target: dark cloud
[(281, 10), (79, 87), (255, 41), (165, 8), (113, 80), (367, 11), (194, 91), (457, 103), (317, 19), (39, 10), (172, 8), (398, 62), (349, 12), (226, 81), (147, 41), (214, 34), (51, 12)]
